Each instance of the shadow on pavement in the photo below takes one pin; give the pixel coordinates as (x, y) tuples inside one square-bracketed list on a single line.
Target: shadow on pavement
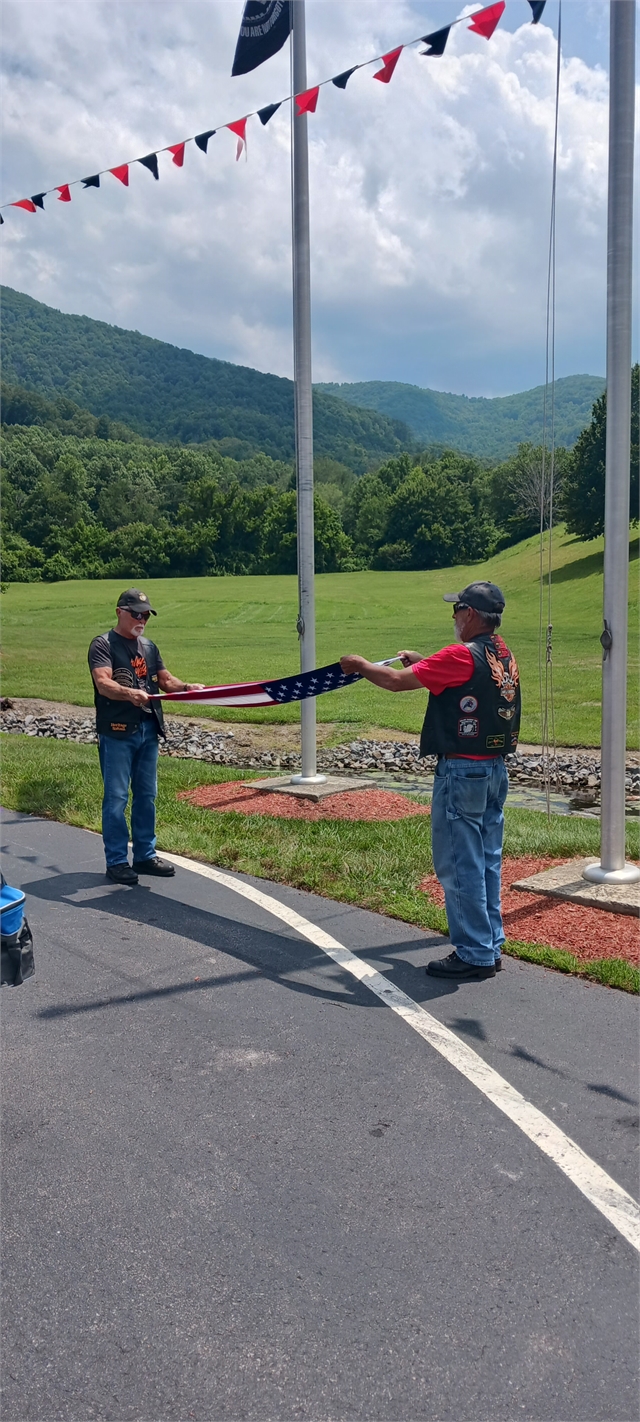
[(276, 956)]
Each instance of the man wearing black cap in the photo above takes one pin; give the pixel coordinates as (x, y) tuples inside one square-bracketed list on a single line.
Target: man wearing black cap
[(127, 669), (472, 723)]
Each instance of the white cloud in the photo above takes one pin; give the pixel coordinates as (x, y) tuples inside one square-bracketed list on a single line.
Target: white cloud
[(430, 197)]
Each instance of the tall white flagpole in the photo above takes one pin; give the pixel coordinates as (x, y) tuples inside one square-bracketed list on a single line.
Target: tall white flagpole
[(612, 868), (303, 393)]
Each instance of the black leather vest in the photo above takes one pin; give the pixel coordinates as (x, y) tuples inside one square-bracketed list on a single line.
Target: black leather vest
[(481, 717), (120, 718)]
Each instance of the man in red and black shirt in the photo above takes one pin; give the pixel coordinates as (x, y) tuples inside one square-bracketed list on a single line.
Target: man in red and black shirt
[(471, 724)]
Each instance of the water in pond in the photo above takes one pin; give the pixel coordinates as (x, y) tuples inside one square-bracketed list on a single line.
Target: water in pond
[(523, 796)]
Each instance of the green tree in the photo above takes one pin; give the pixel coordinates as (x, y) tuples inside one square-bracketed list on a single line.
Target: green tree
[(515, 492), (21, 563), (583, 490), (141, 553), (332, 547), (438, 512), (58, 569), (60, 499), (366, 514)]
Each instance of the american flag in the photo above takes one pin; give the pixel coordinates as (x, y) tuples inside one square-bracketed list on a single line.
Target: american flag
[(271, 693)]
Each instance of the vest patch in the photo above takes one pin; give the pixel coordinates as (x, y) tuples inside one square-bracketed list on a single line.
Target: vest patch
[(495, 742), (470, 726), (119, 726), (468, 704), (506, 678)]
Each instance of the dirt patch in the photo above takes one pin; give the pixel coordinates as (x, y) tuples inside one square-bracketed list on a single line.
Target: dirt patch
[(534, 918), (350, 805)]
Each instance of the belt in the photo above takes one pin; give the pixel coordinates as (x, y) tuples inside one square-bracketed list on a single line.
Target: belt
[(460, 756)]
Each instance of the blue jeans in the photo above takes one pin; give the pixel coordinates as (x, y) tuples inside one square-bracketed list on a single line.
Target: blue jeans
[(133, 760), (467, 825)]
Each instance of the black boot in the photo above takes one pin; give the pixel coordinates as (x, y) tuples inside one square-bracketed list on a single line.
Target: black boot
[(455, 967), (122, 874), (154, 866)]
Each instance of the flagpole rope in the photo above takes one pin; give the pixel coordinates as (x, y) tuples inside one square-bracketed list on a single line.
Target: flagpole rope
[(537, 8), (545, 634)]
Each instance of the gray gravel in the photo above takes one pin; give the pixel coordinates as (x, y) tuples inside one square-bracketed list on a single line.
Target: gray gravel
[(575, 773)]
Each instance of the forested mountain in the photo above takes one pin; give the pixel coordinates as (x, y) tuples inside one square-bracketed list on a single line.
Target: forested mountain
[(77, 502), (491, 429), (175, 396), (26, 407)]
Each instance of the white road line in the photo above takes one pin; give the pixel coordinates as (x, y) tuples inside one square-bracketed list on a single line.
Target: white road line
[(601, 1190)]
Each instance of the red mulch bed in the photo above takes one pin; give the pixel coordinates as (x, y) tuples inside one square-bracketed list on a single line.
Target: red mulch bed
[(350, 805), (533, 918)]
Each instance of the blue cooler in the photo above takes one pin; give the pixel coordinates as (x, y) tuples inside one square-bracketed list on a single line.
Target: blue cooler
[(16, 940), (11, 910)]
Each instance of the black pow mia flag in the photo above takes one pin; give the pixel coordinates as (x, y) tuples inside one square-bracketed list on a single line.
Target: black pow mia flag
[(266, 24)]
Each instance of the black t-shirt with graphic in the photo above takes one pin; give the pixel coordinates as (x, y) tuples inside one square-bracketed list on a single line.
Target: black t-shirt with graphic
[(136, 676)]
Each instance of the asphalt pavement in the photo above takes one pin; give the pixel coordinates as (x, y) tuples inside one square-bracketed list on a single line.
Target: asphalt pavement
[(237, 1186)]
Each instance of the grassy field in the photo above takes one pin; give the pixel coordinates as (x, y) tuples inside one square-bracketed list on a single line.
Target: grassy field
[(377, 866), (225, 629)]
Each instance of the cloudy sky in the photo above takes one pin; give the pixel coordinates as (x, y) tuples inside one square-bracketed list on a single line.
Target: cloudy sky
[(430, 196)]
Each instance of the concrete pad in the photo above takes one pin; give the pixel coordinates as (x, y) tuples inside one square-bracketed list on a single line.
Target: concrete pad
[(565, 882), (333, 785)]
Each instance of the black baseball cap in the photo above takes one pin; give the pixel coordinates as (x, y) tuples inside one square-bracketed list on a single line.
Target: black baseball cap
[(135, 601), (482, 597)]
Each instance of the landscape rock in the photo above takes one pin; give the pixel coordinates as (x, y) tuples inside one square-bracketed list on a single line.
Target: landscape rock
[(570, 772)]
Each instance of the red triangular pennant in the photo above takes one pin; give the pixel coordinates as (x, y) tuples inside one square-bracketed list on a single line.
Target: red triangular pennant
[(26, 203), (177, 149), (389, 62), (306, 103), (239, 127), (484, 22), (63, 193), (121, 173)]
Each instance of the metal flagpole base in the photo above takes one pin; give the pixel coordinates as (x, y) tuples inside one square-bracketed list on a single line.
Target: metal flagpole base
[(595, 874), (308, 779)]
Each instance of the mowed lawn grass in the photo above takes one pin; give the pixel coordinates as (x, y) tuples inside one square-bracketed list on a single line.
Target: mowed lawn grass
[(240, 629), (377, 866)]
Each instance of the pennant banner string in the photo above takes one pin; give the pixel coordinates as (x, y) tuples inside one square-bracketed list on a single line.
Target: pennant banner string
[(482, 22)]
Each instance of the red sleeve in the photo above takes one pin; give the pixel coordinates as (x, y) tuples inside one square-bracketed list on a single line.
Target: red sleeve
[(450, 667)]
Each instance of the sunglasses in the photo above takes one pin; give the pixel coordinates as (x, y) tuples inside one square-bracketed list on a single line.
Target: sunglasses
[(139, 616), (460, 607)]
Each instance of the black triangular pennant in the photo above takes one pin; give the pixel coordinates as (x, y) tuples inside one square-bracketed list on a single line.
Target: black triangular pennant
[(437, 41), (341, 80), (537, 6), (1, 220), (202, 139), (38, 199), (151, 162), (267, 113), (93, 182)]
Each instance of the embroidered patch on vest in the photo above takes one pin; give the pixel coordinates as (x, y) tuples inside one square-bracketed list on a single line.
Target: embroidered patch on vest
[(118, 726), (495, 742), (468, 704), (507, 678), (469, 726)]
